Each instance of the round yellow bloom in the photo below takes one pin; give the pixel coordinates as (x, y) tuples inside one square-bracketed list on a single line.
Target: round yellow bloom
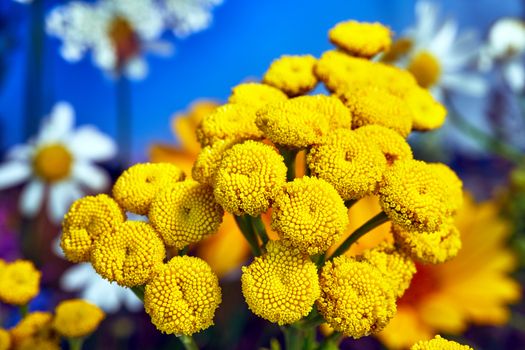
[(251, 174), (348, 162), (355, 298), (439, 343), (5, 339), (415, 196), (129, 255), (282, 285), (183, 296), (86, 219), (376, 105), (208, 161), (302, 121), (185, 213), (34, 325), (230, 121), (425, 67), (137, 186), (77, 318), (397, 268), (452, 181), (360, 38), (292, 74), (39, 343), (398, 50), (427, 113), (309, 214), (256, 95), (19, 282), (393, 145)]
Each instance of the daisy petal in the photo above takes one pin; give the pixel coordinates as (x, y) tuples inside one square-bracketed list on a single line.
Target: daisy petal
[(13, 173), (470, 84), (76, 277), (131, 301), (89, 143), (103, 294), (61, 196), (444, 39), (31, 198), (514, 73), (20, 152), (136, 69), (91, 176), (58, 125)]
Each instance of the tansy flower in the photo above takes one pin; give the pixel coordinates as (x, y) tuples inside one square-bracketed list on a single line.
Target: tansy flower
[(19, 282), (183, 296), (58, 159), (185, 213), (452, 181), (77, 318), (86, 219), (393, 145), (439, 343), (5, 339), (136, 188), (427, 113), (349, 162), (302, 121), (251, 174), (292, 74), (360, 38), (355, 298), (209, 159), (34, 332), (129, 255), (280, 286), (309, 214), (255, 95)]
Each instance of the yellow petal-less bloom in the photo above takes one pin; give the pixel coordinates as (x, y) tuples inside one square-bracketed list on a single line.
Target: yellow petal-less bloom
[(302, 121), (425, 67), (393, 145), (355, 298), (452, 181), (135, 189), (427, 113), (348, 162), (439, 343), (77, 318), (86, 219), (361, 38), (19, 282), (256, 95), (129, 255), (309, 214), (183, 296), (251, 174), (292, 74), (208, 161), (33, 329), (282, 285), (5, 339), (185, 213)]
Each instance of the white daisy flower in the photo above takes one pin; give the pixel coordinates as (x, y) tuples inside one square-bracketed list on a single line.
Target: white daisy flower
[(185, 17), (58, 163)]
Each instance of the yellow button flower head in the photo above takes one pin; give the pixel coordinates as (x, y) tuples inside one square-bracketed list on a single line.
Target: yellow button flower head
[(355, 298), (251, 174), (230, 121), (5, 339), (429, 247), (129, 255), (256, 95), (19, 282), (77, 318), (415, 196), (376, 105), (427, 113), (208, 161), (439, 343), (32, 328), (183, 296), (282, 285), (292, 74), (137, 186), (360, 38), (349, 162), (393, 145), (86, 219), (452, 181), (302, 121), (185, 213), (397, 268), (309, 214)]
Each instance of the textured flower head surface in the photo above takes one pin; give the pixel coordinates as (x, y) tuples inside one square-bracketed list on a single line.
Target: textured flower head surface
[(294, 75), (185, 213), (439, 343), (309, 214), (87, 219), (349, 162), (282, 285), (130, 255), (355, 297), (393, 145), (19, 282), (77, 318), (183, 296), (256, 95), (209, 160), (361, 38), (427, 113), (302, 121), (5, 339), (59, 159), (136, 188), (251, 174), (35, 329)]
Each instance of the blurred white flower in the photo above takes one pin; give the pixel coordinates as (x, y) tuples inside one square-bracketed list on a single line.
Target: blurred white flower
[(59, 161), (188, 16)]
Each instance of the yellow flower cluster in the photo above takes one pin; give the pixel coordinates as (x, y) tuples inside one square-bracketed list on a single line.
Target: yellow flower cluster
[(393, 146), (77, 318), (361, 39), (35, 331), (5, 339), (439, 343), (19, 282), (293, 75), (255, 95)]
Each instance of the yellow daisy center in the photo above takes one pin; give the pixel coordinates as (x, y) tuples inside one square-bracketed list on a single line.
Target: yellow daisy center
[(53, 162), (426, 69)]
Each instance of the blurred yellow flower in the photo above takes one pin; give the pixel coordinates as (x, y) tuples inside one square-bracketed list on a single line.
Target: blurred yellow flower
[(439, 343), (19, 282), (34, 332), (361, 38), (5, 339), (77, 318)]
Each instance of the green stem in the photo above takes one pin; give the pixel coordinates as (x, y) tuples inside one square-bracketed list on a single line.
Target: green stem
[(248, 233), (259, 229), (289, 159), (188, 342), (331, 341), (293, 339), (377, 220), (24, 310), (75, 343), (138, 291), (124, 128)]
